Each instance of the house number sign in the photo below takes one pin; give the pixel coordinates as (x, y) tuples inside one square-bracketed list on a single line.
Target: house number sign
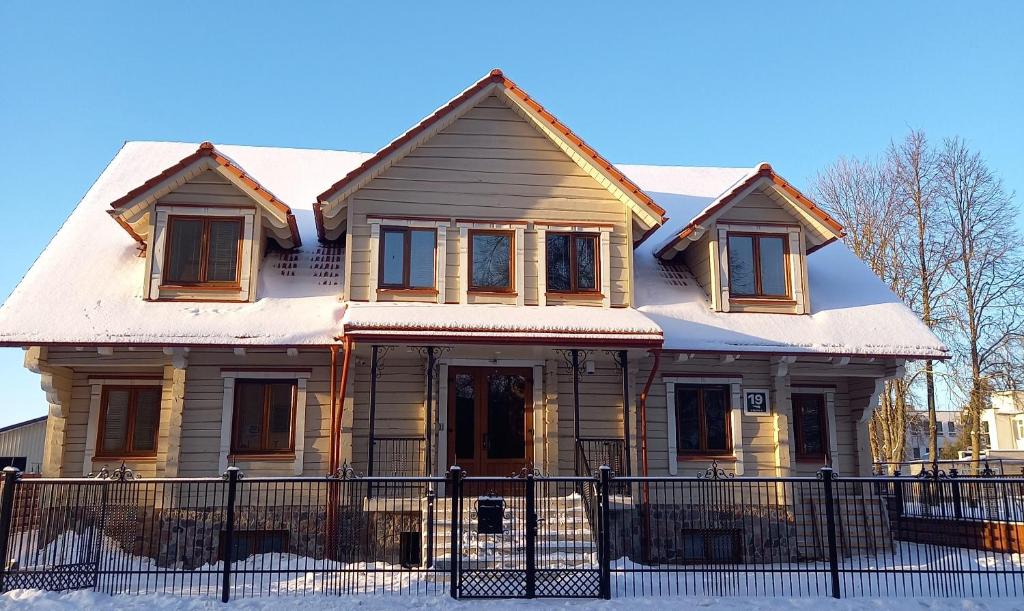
[(755, 402)]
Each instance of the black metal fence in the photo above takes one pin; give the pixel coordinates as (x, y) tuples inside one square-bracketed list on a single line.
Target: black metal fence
[(527, 536)]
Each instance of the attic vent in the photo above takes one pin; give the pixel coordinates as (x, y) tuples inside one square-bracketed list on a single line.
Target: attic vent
[(323, 263), (674, 274)]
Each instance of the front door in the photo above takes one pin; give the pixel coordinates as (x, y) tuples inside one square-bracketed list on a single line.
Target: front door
[(489, 413)]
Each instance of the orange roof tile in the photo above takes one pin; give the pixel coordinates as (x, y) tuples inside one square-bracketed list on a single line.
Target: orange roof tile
[(763, 171), (207, 149)]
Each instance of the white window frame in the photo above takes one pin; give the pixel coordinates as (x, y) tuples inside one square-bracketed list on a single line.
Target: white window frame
[(796, 260), (230, 376), (605, 233), (440, 249), (735, 415), (245, 267), (518, 230)]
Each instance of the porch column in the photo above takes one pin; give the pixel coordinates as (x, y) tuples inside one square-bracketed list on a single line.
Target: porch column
[(623, 361), (377, 355)]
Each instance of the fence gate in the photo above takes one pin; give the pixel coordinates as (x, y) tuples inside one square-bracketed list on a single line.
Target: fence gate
[(52, 535), (528, 537)]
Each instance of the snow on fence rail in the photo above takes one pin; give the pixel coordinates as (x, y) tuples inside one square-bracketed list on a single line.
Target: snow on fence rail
[(714, 535)]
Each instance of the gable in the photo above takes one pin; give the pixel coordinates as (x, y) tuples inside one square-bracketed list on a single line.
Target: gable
[(205, 179), (764, 198), (485, 117)]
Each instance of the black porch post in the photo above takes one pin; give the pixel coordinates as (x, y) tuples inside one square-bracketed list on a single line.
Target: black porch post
[(576, 396), (375, 351), (624, 363), (429, 426)]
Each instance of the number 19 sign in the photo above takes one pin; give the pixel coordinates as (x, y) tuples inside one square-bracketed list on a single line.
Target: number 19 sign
[(755, 402)]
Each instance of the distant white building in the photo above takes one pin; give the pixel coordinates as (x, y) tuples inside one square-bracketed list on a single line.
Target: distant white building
[(21, 445), (948, 430), (1003, 422)]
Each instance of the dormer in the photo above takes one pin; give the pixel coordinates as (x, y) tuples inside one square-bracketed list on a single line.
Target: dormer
[(488, 200), (203, 225), (748, 249)]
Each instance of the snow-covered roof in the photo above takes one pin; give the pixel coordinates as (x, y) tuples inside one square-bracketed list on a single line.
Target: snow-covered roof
[(852, 311), (86, 287), (579, 323)]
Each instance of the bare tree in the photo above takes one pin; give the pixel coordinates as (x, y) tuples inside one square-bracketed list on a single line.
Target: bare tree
[(915, 175), (984, 273), (864, 196)]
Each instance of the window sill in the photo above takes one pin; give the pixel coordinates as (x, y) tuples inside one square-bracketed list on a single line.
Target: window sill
[(399, 291), (576, 295), (201, 287), (125, 457), (763, 300), (494, 292), (705, 457), (282, 457), (811, 459)]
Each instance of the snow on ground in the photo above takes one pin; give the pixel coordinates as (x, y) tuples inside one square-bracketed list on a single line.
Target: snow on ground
[(75, 601)]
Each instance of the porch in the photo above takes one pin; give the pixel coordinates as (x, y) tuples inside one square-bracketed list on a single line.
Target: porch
[(494, 410)]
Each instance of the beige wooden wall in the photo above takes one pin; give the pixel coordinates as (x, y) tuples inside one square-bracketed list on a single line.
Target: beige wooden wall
[(767, 440), (488, 165), (199, 434), (192, 450)]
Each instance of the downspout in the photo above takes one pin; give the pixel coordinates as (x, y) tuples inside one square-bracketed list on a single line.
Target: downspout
[(338, 412), (334, 403), (646, 498), (656, 352)]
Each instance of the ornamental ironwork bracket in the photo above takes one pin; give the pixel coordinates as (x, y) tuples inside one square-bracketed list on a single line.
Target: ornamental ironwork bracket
[(120, 474), (714, 472)]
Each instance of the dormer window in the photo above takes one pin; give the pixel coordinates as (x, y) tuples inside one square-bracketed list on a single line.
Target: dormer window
[(572, 262), (757, 266), (203, 251)]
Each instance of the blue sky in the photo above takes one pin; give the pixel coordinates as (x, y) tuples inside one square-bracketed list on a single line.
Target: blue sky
[(796, 84)]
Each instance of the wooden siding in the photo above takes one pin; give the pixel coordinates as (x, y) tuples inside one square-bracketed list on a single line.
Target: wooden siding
[(193, 450), (758, 207), (490, 164)]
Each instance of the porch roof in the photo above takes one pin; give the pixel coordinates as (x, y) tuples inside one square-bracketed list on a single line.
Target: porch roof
[(501, 323)]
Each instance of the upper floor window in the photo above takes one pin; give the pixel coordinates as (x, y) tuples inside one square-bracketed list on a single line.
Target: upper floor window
[(572, 262), (757, 266), (702, 419), (203, 251), (490, 256), (809, 424), (407, 258), (951, 427), (129, 420), (264, 417)]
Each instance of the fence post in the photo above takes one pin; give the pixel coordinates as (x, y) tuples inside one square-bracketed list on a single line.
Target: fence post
[(954, 483), (455, 485), (531, 536), (232, 476), (827, 477), (898, 490), (11, 475), (604, 532)]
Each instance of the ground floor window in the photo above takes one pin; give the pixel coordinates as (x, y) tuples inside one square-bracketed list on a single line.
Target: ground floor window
[(702, 419), (264, 417), (129, 421)]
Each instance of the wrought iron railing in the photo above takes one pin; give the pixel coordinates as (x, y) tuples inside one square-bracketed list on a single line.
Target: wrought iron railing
[(592, 452), (710, 535), (398, 456)]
